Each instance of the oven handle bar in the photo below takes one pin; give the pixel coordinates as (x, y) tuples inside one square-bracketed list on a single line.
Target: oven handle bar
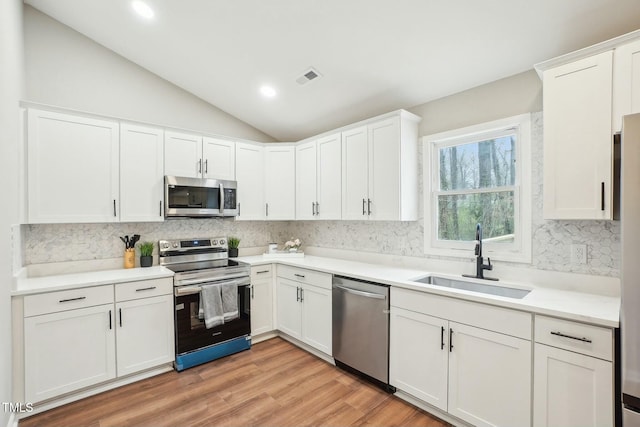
[(188, 290), (202, 281)]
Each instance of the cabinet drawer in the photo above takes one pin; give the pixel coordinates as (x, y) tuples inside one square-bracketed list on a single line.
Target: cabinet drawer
[(497, 319), (72, 299), (586, 339), (322, 280), (261, 272), (143, 289)]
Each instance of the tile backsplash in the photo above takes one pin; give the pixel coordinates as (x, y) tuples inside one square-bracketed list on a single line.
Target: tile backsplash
[(551, 239)]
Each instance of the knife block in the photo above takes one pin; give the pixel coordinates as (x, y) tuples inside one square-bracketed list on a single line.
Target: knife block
[(129, 258)]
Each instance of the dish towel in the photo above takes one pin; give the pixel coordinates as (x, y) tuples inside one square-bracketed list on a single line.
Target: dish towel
[(211, 302), (230, 301)]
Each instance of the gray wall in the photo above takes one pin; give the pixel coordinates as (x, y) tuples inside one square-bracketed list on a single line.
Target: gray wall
[(66, 69), (11, 90)]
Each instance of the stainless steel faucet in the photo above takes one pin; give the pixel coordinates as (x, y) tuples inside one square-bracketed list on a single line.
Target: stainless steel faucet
[(480, 265)]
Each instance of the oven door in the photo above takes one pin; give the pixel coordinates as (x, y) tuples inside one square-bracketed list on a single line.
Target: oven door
[(196, 197), (191, 333)]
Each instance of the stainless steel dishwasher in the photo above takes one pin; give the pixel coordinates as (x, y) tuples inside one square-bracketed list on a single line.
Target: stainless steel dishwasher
[(361, 328)]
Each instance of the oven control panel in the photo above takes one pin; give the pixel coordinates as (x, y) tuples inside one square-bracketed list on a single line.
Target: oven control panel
[(214, 244)]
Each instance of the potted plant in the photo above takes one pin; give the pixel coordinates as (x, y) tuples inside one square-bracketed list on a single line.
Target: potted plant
[(233, 242), (146, 254)]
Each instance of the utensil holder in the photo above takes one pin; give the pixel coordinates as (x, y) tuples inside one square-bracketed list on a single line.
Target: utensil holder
[(129, 258)]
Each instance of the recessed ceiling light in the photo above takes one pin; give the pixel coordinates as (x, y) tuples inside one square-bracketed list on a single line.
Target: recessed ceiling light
[(268, 91), (142, 9)]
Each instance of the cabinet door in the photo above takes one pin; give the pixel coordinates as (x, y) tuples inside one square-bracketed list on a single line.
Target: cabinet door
[(419, 355), (577, 139), (289, 308), (67, 351), (384, 169), (280, 182), (571, 389), (355, 175), (72, 168), (182, 155), (141, 173), (144, 333), (250, 177), (219, 157), (306, 180), (626, 82), (316, 317), (261, 306), (329, 177), (489, 377)]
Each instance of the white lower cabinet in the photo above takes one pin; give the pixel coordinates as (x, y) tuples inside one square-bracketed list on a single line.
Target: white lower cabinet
[(304, 306), (261, 299), (574, 378), (68, 350), (476, 374), (79, 338)]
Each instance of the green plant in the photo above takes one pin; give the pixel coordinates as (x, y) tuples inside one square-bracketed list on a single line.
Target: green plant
[(234, 242), (146, 249)]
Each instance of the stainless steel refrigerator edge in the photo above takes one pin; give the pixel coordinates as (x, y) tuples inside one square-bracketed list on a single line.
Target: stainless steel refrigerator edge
[(630, 270), (361, 327)]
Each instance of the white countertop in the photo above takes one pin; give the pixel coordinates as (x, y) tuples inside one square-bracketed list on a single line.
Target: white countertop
[(36, 285), (584, 307)]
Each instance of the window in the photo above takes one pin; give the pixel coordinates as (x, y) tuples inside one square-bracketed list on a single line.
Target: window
[(479, 175)]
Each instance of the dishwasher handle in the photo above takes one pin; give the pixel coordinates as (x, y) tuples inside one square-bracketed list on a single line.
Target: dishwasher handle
[(361, 293)]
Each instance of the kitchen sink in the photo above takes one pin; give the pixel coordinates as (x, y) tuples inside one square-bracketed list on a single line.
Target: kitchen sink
[(482, 288)]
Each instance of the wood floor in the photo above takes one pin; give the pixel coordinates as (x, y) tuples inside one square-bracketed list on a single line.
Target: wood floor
[(273, 384)]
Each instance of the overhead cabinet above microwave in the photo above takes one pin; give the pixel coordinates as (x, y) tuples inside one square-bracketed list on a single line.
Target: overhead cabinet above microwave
[(196, 156)]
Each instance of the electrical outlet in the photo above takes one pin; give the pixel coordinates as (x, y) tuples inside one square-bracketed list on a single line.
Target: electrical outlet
[(578, 254)]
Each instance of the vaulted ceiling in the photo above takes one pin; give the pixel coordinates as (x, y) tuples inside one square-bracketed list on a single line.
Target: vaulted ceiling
[(373, 56)]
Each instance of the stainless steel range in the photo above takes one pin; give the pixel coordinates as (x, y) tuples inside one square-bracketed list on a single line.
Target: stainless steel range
[(198, 264)]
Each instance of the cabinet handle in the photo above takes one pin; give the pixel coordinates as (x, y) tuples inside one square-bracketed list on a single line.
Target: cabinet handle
[(369, 206), (120, 315), (301, 294), (364, 212), (299, 275), (200, 166), (602, 196), (72, 299), (450, 340), (317, 208), (442, 338), (114, 208), (560, 334), (110, 326), (262, 272), (160, 212), (206, 166), (252, 294), (297, 293), (150, 288), (238, 208), (313, 208), (266, 209)]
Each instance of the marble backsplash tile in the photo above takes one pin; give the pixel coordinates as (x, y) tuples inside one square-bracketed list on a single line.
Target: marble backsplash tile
[(551, 239)]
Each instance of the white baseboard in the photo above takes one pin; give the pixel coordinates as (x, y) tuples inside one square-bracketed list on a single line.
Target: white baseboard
[(444, 416), (307, 348)]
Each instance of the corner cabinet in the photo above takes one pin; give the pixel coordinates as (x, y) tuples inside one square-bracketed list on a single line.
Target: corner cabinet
[(379, 169), (280, 181), (304, 306), (578, 139), (470, 360), (73, 168), (251, 183)]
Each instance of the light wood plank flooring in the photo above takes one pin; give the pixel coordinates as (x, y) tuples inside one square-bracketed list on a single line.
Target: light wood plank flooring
[(273, 384)]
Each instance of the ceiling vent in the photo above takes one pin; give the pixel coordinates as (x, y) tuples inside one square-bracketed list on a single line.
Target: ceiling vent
[(308, 75)]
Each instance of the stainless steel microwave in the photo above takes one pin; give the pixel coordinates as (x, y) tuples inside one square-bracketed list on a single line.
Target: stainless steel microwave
[(198, 197)]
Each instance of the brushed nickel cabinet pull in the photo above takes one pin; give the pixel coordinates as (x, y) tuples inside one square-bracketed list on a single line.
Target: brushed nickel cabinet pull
[(72, 299), (150, 288), (560, 334)]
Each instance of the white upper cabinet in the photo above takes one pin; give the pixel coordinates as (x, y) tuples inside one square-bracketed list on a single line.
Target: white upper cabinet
[(280, 182), (182, 154), (72, 168), (379, 169), (306, 197), (141, 173), (219, 157), (195, 156), (250, 176), (578, 139), (626, 82), (329, 177)]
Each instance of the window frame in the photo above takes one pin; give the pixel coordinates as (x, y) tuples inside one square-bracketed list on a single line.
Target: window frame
[(520, 249)]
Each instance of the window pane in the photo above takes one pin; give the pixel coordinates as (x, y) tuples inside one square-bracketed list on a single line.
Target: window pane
[(481, 164), (459, 214)]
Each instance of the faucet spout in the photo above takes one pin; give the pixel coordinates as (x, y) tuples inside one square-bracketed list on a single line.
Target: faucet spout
[(480, 265)]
